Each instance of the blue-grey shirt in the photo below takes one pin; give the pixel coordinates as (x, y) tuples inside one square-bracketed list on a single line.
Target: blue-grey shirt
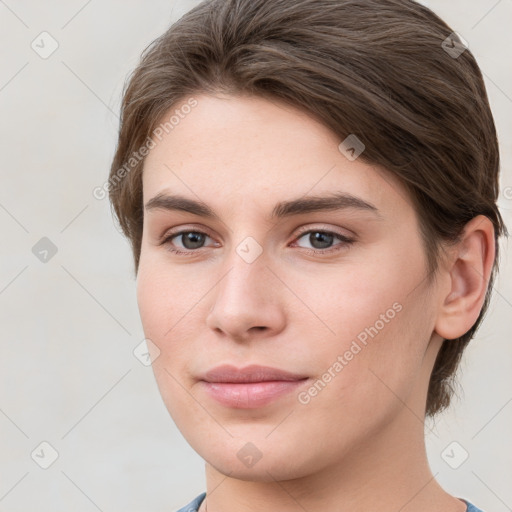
[(196, 503)]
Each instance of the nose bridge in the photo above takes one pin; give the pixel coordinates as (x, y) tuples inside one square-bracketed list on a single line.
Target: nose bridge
[(246, 274), (244, 297)]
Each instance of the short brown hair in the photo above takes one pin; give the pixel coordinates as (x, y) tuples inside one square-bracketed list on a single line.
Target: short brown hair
[(378, 69)]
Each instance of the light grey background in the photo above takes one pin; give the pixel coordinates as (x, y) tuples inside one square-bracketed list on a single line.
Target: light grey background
[(68, 327)]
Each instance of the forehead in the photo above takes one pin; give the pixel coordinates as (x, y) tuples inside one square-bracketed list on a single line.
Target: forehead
[(235, 149)]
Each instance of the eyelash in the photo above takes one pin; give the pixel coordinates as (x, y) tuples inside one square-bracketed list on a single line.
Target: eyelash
[(345, 242)]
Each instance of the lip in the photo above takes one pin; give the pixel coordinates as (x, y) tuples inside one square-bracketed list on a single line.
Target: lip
[(252, 373), (250, 387)]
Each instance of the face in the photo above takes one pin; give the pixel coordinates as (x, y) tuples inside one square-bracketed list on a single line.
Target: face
[(337, 296)]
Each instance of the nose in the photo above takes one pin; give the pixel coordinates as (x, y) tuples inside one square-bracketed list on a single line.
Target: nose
[(247, 301)]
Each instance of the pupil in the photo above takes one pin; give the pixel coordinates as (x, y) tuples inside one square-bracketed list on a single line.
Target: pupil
[(195, 239), (320, 237)]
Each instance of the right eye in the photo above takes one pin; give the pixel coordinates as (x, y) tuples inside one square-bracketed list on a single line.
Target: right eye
[(190, 240)]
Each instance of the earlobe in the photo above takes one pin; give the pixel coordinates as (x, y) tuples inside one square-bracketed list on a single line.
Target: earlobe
[(468, 274)]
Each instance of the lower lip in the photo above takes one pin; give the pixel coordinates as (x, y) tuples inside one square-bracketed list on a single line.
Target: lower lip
[(250, 395)]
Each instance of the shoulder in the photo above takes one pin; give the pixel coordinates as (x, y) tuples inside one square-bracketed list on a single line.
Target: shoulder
[(196, 502), (471, 507)]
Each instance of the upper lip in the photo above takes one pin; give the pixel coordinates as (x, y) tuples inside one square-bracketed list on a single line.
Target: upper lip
[(252, 373)]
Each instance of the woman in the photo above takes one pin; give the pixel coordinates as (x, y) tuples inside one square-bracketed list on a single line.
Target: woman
[(309, 188)]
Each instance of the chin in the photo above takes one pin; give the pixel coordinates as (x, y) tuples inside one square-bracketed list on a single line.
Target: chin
[(262, 460)]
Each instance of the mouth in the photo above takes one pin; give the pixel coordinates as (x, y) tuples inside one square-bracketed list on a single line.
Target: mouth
[(252, 373), (249, 395), (250, 387)]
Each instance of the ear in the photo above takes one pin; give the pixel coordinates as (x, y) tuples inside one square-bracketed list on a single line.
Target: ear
[(468, 272)]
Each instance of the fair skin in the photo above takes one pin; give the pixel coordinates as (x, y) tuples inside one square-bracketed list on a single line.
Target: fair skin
[(359, 443)]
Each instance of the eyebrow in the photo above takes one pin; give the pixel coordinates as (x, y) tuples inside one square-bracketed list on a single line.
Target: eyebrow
[(306, 204)]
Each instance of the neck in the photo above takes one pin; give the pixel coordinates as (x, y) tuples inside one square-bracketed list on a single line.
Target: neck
[(389, 473)]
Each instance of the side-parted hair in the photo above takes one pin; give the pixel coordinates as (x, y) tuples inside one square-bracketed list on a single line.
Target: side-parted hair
[(390, 72)]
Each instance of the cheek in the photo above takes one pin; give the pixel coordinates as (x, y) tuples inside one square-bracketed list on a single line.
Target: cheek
[(378, 317), (152, 299), (351, 299), (163, 303), (165, 294), (172, 311)]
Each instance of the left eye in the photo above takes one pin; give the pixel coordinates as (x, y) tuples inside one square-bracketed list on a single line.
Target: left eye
[(321, 240)]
